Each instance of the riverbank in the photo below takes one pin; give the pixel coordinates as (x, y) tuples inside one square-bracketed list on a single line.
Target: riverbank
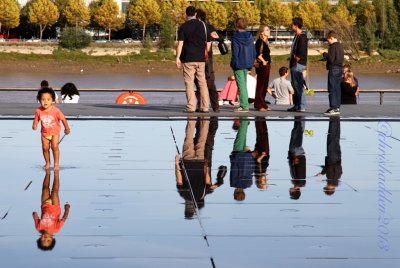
[(159, 62)]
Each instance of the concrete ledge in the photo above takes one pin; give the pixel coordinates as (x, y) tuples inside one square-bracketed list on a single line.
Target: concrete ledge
[(113, 111)]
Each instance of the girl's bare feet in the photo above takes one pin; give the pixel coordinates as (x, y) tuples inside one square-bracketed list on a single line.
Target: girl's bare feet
[(46, 166), (56, 167)]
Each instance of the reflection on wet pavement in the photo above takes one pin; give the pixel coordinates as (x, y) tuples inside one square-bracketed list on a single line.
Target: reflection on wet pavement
[(243, 193)]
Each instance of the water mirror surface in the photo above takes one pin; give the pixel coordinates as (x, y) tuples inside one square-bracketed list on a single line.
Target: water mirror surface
[(304, 193)]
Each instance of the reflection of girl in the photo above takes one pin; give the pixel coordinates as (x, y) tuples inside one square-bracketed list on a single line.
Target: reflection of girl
[(50, 222)]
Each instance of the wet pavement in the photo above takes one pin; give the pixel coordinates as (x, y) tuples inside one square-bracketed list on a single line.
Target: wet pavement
[(296, 192)]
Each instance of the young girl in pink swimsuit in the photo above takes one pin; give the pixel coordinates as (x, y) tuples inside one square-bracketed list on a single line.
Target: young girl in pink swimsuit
[(50, 118)]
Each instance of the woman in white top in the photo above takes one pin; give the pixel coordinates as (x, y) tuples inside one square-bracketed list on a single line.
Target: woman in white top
[(69, 93)]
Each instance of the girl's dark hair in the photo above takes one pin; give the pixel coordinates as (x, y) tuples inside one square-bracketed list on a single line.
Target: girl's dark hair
[(44, 90), (40, 246), (201, 14), (69, 89)]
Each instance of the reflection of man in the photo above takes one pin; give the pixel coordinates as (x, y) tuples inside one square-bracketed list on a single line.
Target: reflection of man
[(297, 64), (242, 163), (261, 153), (50, 222), (333, 160), (297, 158), (193, 171), (190, 55)]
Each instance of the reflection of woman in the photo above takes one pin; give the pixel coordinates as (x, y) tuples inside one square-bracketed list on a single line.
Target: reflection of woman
[(261, 153), (50, 222), (264, 58)]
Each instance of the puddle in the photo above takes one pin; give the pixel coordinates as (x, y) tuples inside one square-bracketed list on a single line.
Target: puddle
[(238, 193)]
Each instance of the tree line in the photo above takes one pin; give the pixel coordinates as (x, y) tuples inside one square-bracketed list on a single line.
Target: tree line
[(364, 25)]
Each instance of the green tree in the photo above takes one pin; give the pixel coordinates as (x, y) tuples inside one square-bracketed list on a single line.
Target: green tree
[(167, 32), (348, 4), (276, 14), (391, 38), (74, 38), (144, 12), (9, 14), (61, 4), (366, 25), (109, 16), (325, 8), (388, 27), (311, 15), (229, 5), (244, 9), (93, 7), (293, 7), (42, 13), (216, 14), (343, 23), (77, 13), (177, 11)]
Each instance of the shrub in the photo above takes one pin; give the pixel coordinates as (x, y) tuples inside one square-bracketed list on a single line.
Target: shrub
[(167, 33), (389, 54), (147, 42), (74, 38)]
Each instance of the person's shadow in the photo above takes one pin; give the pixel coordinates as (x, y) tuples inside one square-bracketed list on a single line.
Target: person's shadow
[(49, 222)]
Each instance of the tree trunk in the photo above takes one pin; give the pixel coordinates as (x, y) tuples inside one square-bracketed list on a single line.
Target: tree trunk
[(0, 27), (276, 34), (109, 34), (144, 32), (41, 27), (176, 32)]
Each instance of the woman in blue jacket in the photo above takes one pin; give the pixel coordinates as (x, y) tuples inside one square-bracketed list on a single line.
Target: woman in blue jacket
[(243, 55)]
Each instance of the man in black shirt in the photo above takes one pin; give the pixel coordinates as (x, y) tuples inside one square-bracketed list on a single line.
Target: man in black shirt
[(298, 64), (334, 62), (190, 55)]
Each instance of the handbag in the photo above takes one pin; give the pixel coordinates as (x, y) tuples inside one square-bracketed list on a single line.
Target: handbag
[(223, 48), (257, 62)]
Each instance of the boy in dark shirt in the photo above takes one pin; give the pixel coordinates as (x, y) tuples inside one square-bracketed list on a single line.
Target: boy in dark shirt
[(334, 62)]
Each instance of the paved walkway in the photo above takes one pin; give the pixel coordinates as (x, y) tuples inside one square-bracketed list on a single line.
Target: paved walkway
[(354, 112)]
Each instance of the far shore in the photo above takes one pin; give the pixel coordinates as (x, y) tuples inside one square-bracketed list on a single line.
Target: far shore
[(36, 58)]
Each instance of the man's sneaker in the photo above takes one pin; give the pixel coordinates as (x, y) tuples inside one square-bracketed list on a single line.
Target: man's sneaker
[(331, 112), (292, 109), (241, 110), (302, 110)]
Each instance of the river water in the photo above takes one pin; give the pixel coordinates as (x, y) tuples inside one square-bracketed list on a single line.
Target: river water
[(168, 81)]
